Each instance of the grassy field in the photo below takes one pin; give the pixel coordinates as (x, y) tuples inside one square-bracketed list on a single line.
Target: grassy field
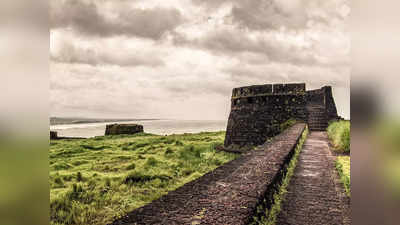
[(339, 133), (95, 180), (343, 167)]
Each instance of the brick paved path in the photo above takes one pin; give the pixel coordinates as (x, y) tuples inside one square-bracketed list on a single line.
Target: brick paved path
[(315, 196)]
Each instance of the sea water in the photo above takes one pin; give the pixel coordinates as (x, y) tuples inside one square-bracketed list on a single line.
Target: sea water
[(161, 127)]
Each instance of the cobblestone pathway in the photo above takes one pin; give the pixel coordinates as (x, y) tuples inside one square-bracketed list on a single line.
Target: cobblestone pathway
[(315, 195)]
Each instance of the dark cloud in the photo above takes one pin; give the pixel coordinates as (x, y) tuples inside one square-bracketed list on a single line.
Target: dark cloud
[(315, 77), (87, 19), (238, 42), (274, 14), (269, 14), (263, 14), (70, 54), (182, 88), (254, 75)]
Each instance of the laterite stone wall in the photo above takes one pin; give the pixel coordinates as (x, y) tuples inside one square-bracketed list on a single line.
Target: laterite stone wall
[(257, 111)]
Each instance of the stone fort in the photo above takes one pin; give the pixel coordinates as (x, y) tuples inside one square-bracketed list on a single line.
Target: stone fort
[(258, 111)]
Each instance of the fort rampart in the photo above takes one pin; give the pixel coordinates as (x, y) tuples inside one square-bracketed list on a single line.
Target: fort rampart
[(258, 111)]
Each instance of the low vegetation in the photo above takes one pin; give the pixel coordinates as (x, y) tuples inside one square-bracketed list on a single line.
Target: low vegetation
[(94, 181), (387, 139), (270, 215), (339, 133), (288, 123), (343, 168)]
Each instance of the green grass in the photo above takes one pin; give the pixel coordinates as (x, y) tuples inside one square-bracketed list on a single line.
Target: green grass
[(94, 181), (387, 139), (288, 123), (343, 168), (339, 134), (269, 216)]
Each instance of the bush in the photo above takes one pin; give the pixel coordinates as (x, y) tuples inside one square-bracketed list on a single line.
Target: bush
[(169, 151), (131, 166), (191, 153), (61, 166), (339, 134), (79, 177), (108, 182), (138, 177), (59, 181), (151, 162), (179, 143)]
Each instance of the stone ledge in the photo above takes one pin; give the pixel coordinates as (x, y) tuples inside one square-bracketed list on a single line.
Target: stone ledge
[(227, 195)]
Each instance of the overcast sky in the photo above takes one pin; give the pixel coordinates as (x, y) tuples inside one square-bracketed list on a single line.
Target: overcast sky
[(180, 59)]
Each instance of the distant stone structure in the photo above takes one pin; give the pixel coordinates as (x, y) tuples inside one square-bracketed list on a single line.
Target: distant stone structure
[(53, 135), (257, 111), (117, 129)]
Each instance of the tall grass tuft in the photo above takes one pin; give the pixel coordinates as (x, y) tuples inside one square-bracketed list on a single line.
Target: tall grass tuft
[(343, 168), (339, 134)]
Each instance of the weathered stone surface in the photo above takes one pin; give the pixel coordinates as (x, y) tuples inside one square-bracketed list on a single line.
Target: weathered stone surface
[(117, 129), (53, 135), (257, 111), (229, 194), (315, 195)]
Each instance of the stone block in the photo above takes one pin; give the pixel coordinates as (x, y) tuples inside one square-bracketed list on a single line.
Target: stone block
[(53, 135), (117, 129)]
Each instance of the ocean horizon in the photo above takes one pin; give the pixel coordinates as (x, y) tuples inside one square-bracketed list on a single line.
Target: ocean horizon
[(160, 127)]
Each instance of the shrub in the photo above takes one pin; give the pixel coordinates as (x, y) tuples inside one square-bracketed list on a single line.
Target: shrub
[(138, 177), (189, 148), (95, 148), (68, 177), (106, 168), (79, 177), (59, 181), (79, 162), (169, 141), (108, 182), (187, 172), (179, 143), (218, 162), (169, 151), (151, 162), (62, 166), (131, 166)]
